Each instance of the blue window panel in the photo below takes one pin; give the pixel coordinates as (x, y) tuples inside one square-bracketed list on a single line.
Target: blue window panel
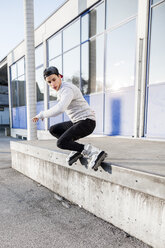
[(119, 112), (19, 118), (96, 104), (40, 123), (87, 98), (56, 119), (22, 117), (15, 118), (156, 111)]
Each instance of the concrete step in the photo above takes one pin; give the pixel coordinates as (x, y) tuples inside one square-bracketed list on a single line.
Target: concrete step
[(130, 199)]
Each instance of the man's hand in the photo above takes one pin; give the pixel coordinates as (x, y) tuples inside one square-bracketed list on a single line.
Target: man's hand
[(35, 119)]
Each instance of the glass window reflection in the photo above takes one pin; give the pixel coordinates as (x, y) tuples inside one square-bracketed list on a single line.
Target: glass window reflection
[(72, 66), (85, 68), (155, 1), (21, 91), (97, 20), (20, 66), (55, 46), (14, 93), (96, 64), (85, 28), (71, 36), (40, 84), (119, 10), (39, 56), (120, 56), (57, 62), (18, 85), (13, 71), (157, 48), (52, 94)]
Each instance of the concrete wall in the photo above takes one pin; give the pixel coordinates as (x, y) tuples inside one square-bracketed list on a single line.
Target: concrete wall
[(131, 200)]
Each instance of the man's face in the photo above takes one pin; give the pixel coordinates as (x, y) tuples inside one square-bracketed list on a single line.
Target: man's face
[(54, 81)]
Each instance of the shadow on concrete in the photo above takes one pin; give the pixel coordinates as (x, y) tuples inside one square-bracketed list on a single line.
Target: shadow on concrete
[(106, 167), (84, 162)]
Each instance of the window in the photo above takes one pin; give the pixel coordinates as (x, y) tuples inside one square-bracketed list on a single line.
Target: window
[(72, 66), (21, 91), (40, 84), (18, 86), (57, 62), (120, 56), (14, 94), (96, 64), (85, 28), (52, 94), (85, 68), (55, 46), (20, 67), (39, 56), (71, 36), (97, 20), (119, 10), (155, 1), (157, 49), (13, 71)]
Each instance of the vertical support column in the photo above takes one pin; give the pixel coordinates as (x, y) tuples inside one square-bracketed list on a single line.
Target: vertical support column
[(105, 67), (46, 91), (30, 68), (141, 68), (138, 87)]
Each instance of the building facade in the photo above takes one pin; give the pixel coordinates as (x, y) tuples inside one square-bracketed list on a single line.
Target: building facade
[(113, 50)]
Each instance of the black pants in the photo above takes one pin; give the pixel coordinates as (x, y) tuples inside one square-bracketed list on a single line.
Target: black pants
[(67, 132)]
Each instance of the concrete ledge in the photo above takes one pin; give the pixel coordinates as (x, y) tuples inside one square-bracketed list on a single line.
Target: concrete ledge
[(131, 200)]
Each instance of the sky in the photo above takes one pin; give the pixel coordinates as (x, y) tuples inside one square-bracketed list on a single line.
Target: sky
[(12, 20)]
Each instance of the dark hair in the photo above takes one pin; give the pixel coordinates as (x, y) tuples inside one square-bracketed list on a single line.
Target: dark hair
[(51, 70)]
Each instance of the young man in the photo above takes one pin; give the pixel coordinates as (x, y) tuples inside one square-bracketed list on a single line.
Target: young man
[(71, 101)]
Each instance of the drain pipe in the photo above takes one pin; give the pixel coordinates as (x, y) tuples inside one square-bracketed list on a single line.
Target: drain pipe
[(30, 68)]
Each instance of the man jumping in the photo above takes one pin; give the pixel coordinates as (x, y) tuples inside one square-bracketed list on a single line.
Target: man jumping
[(82, 120)]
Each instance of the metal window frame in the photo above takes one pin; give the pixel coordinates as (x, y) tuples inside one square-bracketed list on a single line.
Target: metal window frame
[(151, 6)]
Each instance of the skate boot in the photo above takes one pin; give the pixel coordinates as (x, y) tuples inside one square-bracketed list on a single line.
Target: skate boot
[(73, 157), (95, 155)]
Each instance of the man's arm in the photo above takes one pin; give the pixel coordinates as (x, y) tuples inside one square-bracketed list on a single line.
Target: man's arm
[(60, 107)]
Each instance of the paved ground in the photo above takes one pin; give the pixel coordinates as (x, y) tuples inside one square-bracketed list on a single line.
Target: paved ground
[(5, 157), (31, 216)]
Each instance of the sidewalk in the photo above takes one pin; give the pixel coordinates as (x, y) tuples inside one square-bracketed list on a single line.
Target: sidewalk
[(31, 216), (5, 155)]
